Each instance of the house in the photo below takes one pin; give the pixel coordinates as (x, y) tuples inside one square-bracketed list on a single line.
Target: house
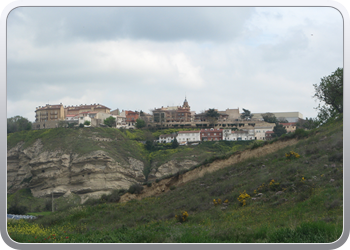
[(238, 135), (211, 134), (269, 135), (290, 126), (188, 136), (260, 131), (167, 138)]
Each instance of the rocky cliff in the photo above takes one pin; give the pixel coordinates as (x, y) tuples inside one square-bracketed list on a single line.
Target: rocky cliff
[(88, 175)]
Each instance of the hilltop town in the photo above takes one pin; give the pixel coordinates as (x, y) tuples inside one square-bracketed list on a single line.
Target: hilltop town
[(227, 125)]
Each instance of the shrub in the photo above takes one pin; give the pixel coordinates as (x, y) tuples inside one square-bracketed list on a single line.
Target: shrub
[(182, 217), (172, 187), (242, 198), (274, 185), (135, 189), (292, 155), (17, 209)]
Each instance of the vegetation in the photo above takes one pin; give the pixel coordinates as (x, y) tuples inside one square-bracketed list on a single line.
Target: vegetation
[(292, 195), (110, 121), (279, 130), (140, 123), (246, 115), (18, 123), (87, 123), (330, 93), (212, 116)]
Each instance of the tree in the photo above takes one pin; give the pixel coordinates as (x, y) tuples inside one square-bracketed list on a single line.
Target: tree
[(87, 123), (18, 123), (174, 143), (269, 117), (212, 116), (282, 120), (279, 130), (81, 125), (308, 123), (140, 123), (110, 121), (246, 115), (330, 93)]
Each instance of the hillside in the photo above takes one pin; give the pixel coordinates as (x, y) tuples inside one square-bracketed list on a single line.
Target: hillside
[(293, 194), (91, 162)]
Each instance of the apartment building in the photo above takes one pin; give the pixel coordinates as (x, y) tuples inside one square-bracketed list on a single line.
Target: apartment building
[(49, 113)]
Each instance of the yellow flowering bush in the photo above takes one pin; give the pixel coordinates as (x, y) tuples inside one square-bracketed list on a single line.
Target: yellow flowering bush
[(273, 185), (242, 198), (217, 202), (292, 155), (182, 217)]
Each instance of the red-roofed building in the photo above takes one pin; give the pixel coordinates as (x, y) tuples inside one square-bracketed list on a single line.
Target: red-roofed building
[(290, 126), (131, 116), (211, 134)]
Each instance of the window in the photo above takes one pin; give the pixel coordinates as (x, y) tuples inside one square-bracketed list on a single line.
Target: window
[(214, 133)]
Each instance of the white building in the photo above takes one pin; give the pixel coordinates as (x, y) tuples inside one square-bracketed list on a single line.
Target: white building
[(121, 121), (188, 136), (167, 138), (260, 131), (289, 116), (241, 135)]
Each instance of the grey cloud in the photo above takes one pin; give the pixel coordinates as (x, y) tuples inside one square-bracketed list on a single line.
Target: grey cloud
[(52, 25)]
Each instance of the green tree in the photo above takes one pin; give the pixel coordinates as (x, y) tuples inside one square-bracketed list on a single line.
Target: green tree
[(87, 123), (18, 123), (212, 116), (140, 123), (269, 117), (174, 143), (279, 130), (330, 93), (110, 121), (246, 115), (308, 123)]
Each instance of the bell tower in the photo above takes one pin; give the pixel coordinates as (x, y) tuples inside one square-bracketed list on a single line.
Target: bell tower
[(185, 105)]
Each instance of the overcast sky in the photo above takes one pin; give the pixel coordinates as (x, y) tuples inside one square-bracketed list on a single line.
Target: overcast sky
[(263, 59)]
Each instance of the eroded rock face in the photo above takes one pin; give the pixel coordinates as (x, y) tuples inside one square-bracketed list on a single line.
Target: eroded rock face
[(171, 167), (88, 176)]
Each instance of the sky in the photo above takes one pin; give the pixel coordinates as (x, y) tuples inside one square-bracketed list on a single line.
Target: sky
[(264, 59)]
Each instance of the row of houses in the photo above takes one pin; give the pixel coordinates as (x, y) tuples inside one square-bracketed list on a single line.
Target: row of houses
[(49, 116), (214, 134)]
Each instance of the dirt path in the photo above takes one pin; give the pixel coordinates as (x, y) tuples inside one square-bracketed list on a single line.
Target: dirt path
[(165, 184)]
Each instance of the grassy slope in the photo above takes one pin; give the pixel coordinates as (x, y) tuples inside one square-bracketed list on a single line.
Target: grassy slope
[(306, 211), (125, 143)]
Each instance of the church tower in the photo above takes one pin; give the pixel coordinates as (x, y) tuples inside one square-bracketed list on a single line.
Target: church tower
[(185, 105)]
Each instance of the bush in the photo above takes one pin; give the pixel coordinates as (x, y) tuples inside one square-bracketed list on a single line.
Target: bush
[(17, 209), (182, 217), (172, 187), (135, 189)]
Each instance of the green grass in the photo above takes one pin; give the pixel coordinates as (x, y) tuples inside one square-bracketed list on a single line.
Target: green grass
[(309, 209)]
